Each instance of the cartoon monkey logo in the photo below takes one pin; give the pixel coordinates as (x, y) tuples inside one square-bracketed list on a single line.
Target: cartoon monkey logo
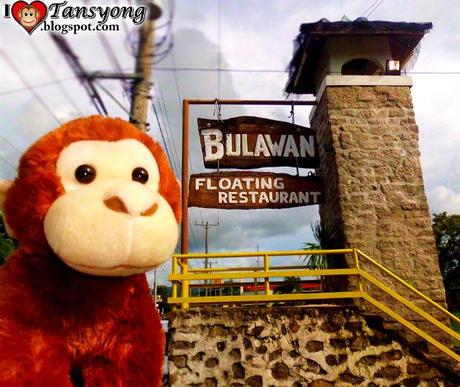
[(29, 16)]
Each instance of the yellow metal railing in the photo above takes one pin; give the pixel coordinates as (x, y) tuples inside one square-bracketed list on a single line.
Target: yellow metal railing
[(182, 276)]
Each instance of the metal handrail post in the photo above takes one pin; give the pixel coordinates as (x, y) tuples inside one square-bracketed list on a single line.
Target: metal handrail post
[(174, 284), (360, 282), (266, 269), (410, 287), (185, 283)]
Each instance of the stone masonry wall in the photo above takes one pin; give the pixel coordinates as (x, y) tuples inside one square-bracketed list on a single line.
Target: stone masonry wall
[(374, 192), (316, 347)]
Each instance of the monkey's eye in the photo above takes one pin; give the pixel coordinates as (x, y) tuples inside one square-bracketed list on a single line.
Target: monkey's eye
[(85, 174), (140, 175)]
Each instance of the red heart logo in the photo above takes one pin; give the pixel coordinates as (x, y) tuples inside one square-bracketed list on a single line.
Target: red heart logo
[(29, 16)]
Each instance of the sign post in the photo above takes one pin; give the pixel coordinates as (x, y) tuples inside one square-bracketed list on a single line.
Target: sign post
[(185, 147)]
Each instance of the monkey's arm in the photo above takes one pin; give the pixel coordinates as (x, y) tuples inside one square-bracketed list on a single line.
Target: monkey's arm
[(30, 357), (135, 350)]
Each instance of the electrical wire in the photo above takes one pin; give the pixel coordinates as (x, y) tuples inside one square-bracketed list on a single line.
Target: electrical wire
[(7, 163), (10, 144), (378, 5), (50, 71), (174, 161), (38, 85), (48, 83), (113, 60), (29, 86), (219, 4), (179, 98), (161, 131), (168, 127), (204, 69), (116, 100), (368, 8), (219, 33)]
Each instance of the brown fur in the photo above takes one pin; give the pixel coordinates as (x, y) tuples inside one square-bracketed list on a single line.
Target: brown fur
[(59, 327)]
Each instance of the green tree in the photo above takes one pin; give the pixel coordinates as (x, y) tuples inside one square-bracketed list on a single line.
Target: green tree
[(7, 245), (231, 290), (292, 287), (322, 241), (447, 233)]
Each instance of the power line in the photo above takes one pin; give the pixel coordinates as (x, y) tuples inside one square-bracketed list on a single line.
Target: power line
[(219, 30), (179, 99), (7, 163), (53, 77), (168, 128), (113, 60), (10, 144), (171, 4), (205, 69), (197, 69), (210, 69), (77, 68), (111, 55), (115, 99), (174, 161), (367, 9), (219, 4), (169, 155), (378, 5), (37, 85), (29, 86), (161, 130)]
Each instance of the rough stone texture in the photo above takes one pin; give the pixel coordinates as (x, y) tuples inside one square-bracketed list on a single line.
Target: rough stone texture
[(374, 193), (347, 353)]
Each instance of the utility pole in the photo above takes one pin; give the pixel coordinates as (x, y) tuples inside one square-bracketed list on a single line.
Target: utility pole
[(142, 77), (206, 225), (140, 91)]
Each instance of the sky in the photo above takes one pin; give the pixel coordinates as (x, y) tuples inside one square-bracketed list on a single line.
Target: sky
[(253, 35)]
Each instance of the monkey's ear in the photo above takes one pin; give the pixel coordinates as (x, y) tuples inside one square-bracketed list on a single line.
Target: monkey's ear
[(4, 187), (37, 14), (20, 14)]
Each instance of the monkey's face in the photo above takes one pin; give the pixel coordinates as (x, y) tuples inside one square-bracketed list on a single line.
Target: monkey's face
[(28, 17), (111, 219)]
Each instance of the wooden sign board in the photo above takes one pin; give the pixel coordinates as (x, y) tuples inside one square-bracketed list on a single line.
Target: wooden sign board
[(252, 190), (253, 142)]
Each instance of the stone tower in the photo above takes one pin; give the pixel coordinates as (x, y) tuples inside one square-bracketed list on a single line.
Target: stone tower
[(374, 193)]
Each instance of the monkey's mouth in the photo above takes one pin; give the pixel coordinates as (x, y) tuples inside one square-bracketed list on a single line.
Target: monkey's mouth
[(29, 23), (113, 271), (76, 266)]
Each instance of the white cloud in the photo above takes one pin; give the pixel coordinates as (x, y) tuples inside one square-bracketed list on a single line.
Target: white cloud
[(444, 199), (256, 34)]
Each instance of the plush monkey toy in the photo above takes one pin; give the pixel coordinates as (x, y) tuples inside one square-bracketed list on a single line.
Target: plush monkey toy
[(94, 206)]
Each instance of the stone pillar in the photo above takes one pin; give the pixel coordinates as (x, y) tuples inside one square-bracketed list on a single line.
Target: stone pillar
[(374, 193)]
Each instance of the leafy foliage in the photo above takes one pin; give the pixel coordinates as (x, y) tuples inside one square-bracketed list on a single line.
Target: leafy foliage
[(7, 245), (231, 291), (292, 287), (447, 233), (322, 237)]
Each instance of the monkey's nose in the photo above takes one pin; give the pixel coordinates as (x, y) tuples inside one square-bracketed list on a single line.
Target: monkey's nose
[(115, 203)]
